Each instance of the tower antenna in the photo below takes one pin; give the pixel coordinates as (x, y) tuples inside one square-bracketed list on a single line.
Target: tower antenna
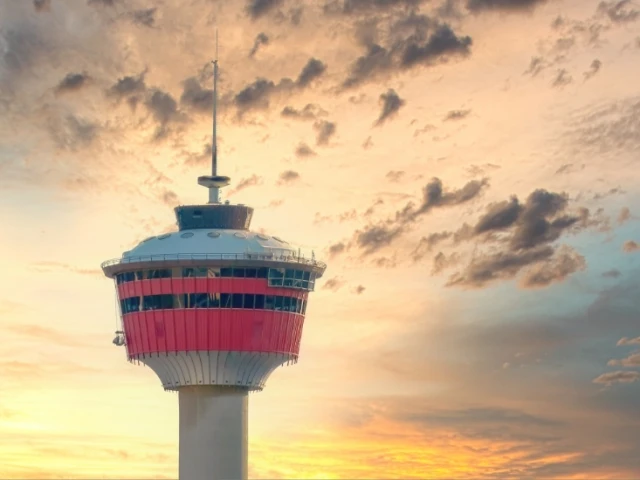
[(214, 182)]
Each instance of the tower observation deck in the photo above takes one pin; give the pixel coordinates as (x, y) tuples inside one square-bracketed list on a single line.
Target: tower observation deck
[(213, 309)]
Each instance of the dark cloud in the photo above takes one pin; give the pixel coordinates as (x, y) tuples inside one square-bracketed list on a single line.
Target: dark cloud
[(630, 246), (325, 130), (72, 82), (562, 78), (619, 376), (336, 249), (145, 17), (619, 11), (359, 290), (256, 95), (334, 284), (593, 69), (303, 151), (104, 3), (442, 262), (169, 197), (42, 5), (613, 273), (261, 39), (244, 183), (163, 107), (456, 115), (258, 8), (564, 263), (312, 70), (374, 237), (443, 42), (391, 103), (426, 244), (407, 53), (498, 266), (536, 65), (394, 175), (505, 5), (288, 176), (131, 88), (196, 97), (73, 133), (377, 59), (309, 112), (351, 7)]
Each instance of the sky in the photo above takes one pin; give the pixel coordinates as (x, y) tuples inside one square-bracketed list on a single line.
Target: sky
[(467, 169)]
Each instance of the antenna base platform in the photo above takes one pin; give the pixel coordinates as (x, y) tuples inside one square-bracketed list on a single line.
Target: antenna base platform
[(214, 181)]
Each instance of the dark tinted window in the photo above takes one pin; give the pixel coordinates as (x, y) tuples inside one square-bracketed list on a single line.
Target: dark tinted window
[(226, 272), (249, 300), (236, 300), (259, 301)]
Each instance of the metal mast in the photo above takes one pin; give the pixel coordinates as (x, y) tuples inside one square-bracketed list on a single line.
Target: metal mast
[(214, 182)]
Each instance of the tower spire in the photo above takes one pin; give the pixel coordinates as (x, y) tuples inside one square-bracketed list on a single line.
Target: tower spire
[(214, 182)]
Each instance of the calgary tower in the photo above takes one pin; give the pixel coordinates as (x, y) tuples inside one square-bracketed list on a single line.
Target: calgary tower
[(213, 309)]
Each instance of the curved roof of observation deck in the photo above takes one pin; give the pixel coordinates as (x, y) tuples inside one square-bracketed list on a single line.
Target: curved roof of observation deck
[(211, 247)]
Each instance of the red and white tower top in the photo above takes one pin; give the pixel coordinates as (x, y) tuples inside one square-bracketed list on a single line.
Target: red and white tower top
[(213, 309)]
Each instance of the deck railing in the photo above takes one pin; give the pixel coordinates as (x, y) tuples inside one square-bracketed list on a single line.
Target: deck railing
[(216, 256)]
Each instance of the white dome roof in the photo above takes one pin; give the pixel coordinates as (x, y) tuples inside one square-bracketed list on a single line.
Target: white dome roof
[(209, 241)]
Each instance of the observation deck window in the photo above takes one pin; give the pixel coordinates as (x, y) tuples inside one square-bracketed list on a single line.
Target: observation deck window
[(276, 277), (213, 300)]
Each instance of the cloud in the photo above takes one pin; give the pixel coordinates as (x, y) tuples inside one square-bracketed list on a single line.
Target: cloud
[(556, 269), (258, 8), (624, 216), (457, 115), (377, 236), (391, 103), (562, 78), (257, 94), (631, 361), (334, 284), (394, 175), (303, 151), (593, 69), (325, 130), (196, 97), (244, 183), (47, 266), (403, 54), (130, 88), (618, 12), (145, 17), (336, 249), (312, 70), (288, 177), (505, 5), (260, 40), (619, 376), (42, 5), (613, 273), (73, 133), (630, 246), (72, 82), (359, 290), (628, 341), (309, 112)]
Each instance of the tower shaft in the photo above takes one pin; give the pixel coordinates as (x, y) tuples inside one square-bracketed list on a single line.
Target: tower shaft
[(213, 433)]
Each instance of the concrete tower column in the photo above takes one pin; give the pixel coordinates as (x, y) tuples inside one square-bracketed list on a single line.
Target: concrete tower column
[(213, 433)]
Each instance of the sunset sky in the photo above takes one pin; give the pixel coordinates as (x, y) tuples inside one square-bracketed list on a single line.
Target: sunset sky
[(467, 168)]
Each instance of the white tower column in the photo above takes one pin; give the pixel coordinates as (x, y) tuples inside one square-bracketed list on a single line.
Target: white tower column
[(213, 433)]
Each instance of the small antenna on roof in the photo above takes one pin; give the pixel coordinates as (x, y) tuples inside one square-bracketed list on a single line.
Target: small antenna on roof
[(214, 182)]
